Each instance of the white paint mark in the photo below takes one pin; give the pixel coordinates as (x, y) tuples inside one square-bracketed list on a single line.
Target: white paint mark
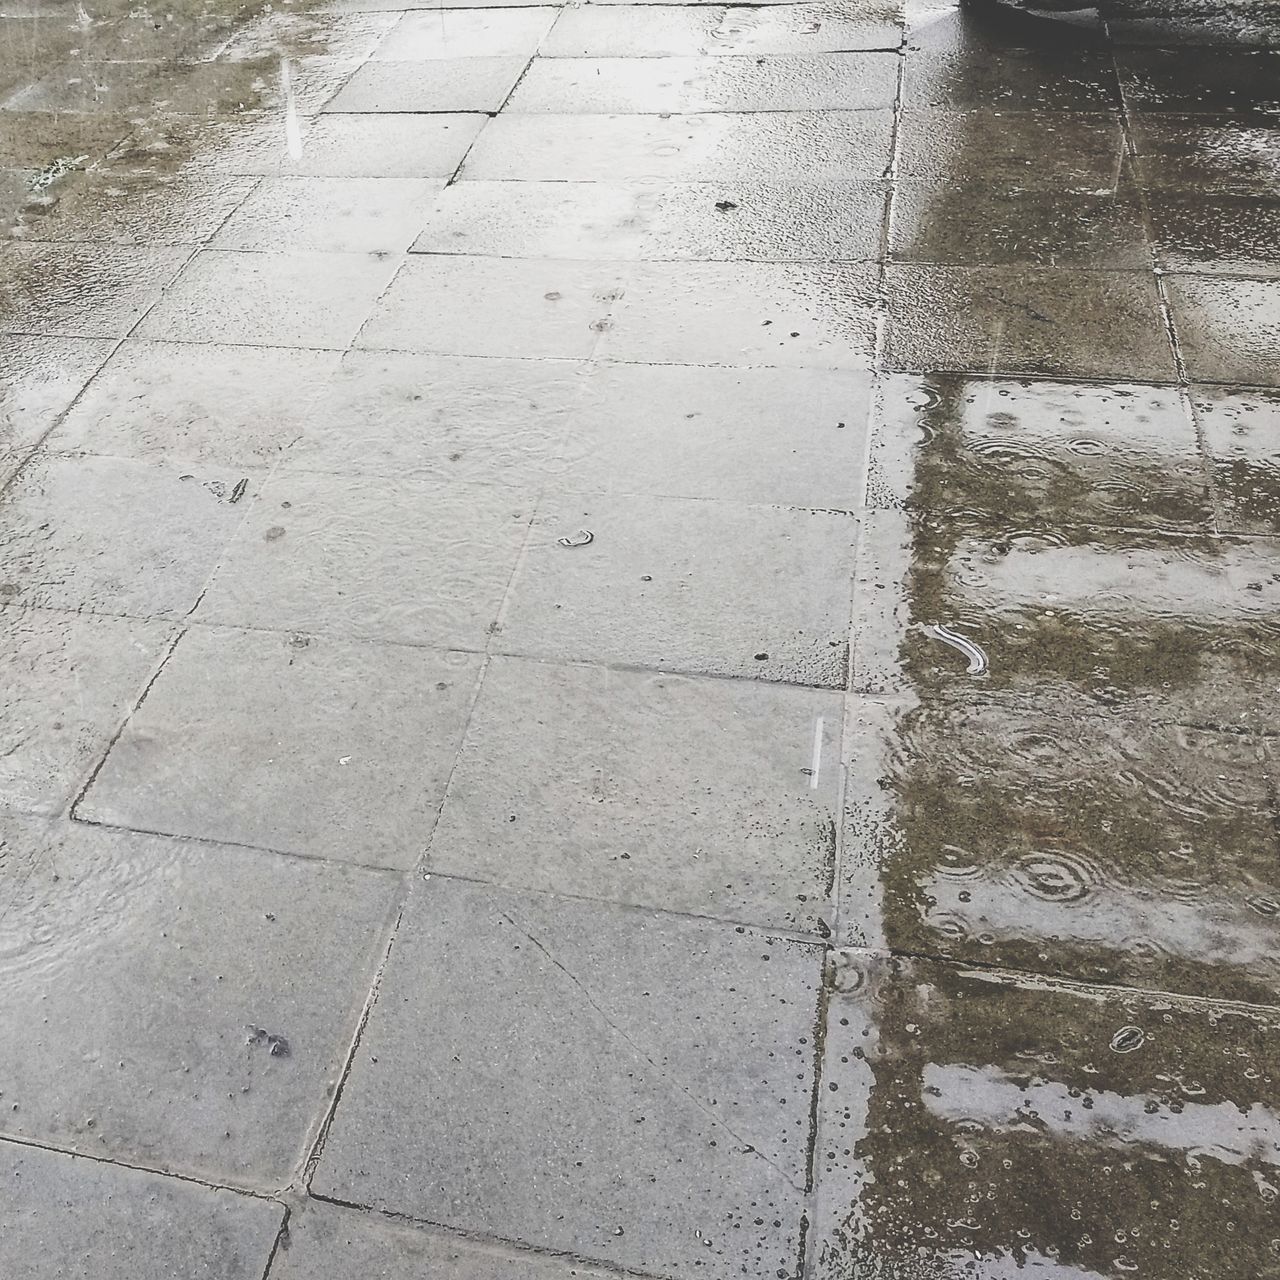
[(817, 754)]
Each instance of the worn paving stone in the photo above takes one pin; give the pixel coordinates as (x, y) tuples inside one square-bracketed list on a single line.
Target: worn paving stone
[(231, 405), (302, 744), (665, 31), (112, 535), (1228, 329), (332, 215), (344, 1245), (474, 33), (682, 586), (1026, 320), (700, 221), (404, 559), (1210, 81), (1217, 234), (1009, 80), (662, 1086), (1211, 153), (482, 307), (201, 1018), (817, 82), (1241, 433), (75, 1219), (466, 418), (82, 290), (787, 315), (448, 85), (274, 299), (660, 791), (39, 378), (812, 146), (794, 438), (75, 679), (1040, 1129)]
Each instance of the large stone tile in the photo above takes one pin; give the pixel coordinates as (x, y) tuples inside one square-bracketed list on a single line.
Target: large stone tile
[(1010, 79), (1211, 153), (174, 1005), (475, 33), (111, 535), (718, 588), (74, 1219), (73, 680), (800, 146), (1208, 81), (482, 307), (1217, 234), (1027, 320), (448, 84), (792, 437), (1241, 433), (278, 299), (39, 378), (633, 1088), (978, 1125), (714, 797), (317, 747), (818, 82), (375, 557), (788, 315), (481, 420), (223, 405), (1229, 330)]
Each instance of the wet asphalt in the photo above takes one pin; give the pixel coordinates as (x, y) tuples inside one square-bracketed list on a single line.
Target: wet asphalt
[(639, 639)]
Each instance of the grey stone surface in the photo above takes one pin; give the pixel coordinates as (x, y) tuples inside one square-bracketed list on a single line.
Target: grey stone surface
[(705, 796), (448, 84), (39, 378), (626, 1086), (330, 749), (1227, 328), (174, 1004), (478, 33), (74, 1219)]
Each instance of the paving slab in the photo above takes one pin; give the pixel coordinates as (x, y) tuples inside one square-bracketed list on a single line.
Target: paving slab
[(680, 585), (660, 1069), (1209, 81), (336, 750), (39, 378), (448, 85), (1212, 152), (1241, 433), (201, 1019), (469, 33), (76, 1219), (1227, 328), (1217, 235), (1006, 79)]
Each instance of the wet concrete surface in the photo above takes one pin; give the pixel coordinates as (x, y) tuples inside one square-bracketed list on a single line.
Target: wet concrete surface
[(642, 639)]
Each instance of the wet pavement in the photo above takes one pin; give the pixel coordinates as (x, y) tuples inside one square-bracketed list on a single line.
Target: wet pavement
[(641, 639)]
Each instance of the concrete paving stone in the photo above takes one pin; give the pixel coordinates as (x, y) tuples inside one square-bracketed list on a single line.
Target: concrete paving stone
[(474, 306), (997, 225), (1027, 320), (81, 290), (818, 82), (1217, 234), (630, 1087), (76, 678), (117, 536), (1201, 81), (341, 1244), (681, 585), (812, 146), (39, 378), (713, 797), (480, 420), (1089, 1118), (302, 744), (759, 313), (142, 209), (449, 85), (469, 33), (1049, 454), (74, 1219), (405, 559), (1228, 329), (201, 1020), (1010, 80), (302, 35), (1211, 153), (794, 438), (291, 299), (29, 138), (700, 221), (231, 405), (331, 215), (665, 31), (1241, 433), (1050, 151)]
